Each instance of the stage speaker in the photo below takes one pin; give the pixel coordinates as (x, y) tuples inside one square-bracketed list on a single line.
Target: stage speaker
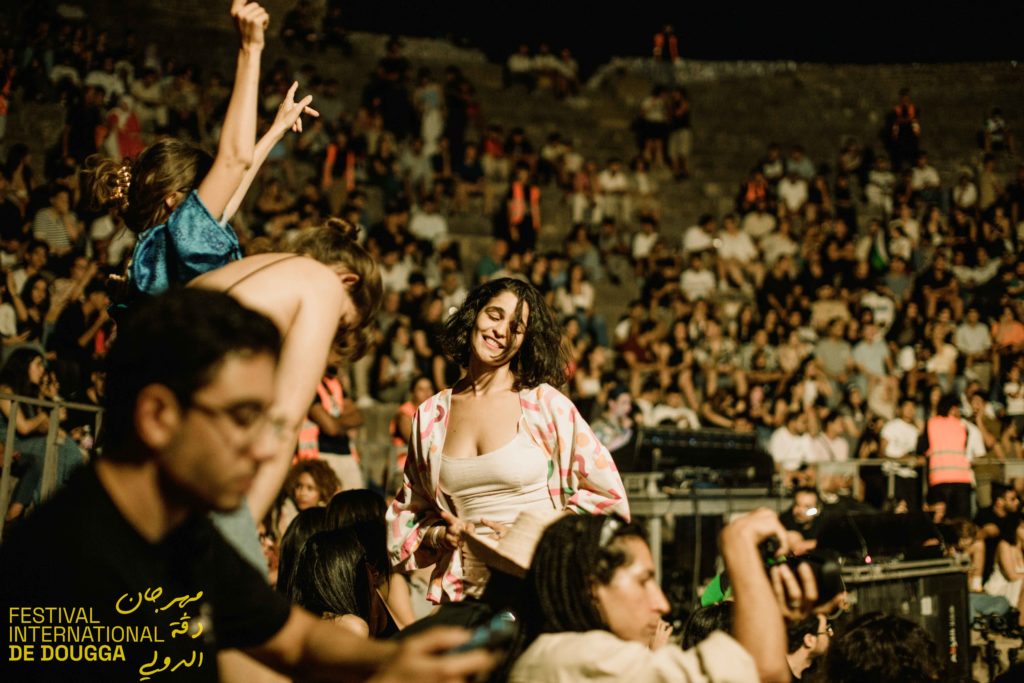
[(713, 456), (931, 593), (865, 538)]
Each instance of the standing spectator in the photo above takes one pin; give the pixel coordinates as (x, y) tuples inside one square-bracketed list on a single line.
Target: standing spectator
[(613, 198), (680, 138), (519, 68), (665, 55), (523, 222), (949, 469), (899, 439), (77, 333), (654, 127), (904, 131)]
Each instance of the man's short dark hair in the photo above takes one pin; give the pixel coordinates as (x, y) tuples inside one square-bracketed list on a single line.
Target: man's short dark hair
[(795, 632), (179, 340), (804, 489), (883, 648)]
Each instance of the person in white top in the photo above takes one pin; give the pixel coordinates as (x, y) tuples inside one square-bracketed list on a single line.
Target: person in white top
[(738, 260), (428, 224), (613, 188), (790, 445), (697, 282), (599, 608), (700, 237)]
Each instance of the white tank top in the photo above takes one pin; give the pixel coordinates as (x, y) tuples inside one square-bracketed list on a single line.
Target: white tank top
[(496, 486)]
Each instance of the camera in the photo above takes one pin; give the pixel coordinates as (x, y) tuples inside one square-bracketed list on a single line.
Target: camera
[(823, 563)]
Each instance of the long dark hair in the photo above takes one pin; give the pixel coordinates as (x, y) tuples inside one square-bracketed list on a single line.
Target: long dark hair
[(14, 373), (305, 524), (363, 511), (542, 357), (26, 294), (331, 576)]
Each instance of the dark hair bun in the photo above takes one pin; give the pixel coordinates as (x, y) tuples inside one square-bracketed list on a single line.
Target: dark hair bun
[(106, 182), (343, 228)]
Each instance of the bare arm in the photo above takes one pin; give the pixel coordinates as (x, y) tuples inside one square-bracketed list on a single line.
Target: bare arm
[(758, 622), (238, 135), (315, 650), (288, 118)]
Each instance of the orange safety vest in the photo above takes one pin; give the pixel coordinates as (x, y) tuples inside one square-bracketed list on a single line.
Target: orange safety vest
[(947, 452), (400, 444), (350, 167), (332, 398), (673, 45), (517, 208)]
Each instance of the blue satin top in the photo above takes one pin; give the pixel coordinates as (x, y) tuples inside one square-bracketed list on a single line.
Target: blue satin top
[(189, 244)]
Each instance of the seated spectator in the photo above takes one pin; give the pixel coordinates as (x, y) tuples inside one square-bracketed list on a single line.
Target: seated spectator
[(883, 648), (613, 198), (22, 375), (519, 69), (1007, 576), (591, 589), (615, 427), (990, 521), (429, 225), (790, 446), (996, 134), (697, 282), (332, 579), (738, 259), (293, 538), (310, 484), (470, 181), (57, 224)]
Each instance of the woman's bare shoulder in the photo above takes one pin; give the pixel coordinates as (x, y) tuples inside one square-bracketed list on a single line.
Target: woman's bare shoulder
[(276, 266)]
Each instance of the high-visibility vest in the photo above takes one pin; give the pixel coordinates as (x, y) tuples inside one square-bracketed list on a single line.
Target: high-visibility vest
[(332, 398), (947, 452), (517, 208), (659, 45)]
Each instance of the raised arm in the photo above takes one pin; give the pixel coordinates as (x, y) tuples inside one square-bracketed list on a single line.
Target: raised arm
[(288, 117), (238, 135)]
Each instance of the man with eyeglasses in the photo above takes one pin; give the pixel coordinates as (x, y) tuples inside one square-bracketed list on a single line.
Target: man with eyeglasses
[(121, 575), (809, 639)]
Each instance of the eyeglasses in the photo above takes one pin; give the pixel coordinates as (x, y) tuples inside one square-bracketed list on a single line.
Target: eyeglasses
[(249, 418), (828, 630)]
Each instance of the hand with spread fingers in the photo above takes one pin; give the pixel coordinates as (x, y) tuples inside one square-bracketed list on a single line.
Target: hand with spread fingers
[(289, 112)]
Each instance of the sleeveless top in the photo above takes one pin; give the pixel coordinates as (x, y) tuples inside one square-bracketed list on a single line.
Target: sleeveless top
[(496, 486)]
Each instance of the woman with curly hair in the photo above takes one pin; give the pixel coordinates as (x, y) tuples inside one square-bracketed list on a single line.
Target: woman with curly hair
[(501, 441)]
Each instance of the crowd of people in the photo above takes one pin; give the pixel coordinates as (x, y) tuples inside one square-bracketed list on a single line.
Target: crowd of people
[(859, 307)]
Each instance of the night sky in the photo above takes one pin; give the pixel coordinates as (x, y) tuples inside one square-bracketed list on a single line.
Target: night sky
[(828, 31)]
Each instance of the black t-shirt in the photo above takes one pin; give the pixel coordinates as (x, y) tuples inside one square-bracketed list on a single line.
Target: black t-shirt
[(987, 516), (79, 554), (809, 530), (71, 325)]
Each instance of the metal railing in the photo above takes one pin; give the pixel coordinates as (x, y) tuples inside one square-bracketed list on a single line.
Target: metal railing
[(49, 479)]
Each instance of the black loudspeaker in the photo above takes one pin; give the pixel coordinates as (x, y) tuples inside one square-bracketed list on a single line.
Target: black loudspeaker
[(715, 456), (865, 538), (931, 593)]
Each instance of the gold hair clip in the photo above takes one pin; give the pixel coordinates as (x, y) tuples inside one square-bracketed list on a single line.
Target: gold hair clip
[(124, 182)]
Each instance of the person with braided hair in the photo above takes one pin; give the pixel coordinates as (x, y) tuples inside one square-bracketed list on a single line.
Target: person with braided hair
[(592, 609), (178, 199)]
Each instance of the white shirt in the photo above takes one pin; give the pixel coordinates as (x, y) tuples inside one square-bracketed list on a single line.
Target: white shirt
[(973, 339), (788, 449), (758, 224), (900, 438), (395, 279), (608, 181), (737, 246), (643, 243), (921, 178), (793, 192), (697, 284), (696, 239), (975, 441), (431, 227), (824, 449)]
